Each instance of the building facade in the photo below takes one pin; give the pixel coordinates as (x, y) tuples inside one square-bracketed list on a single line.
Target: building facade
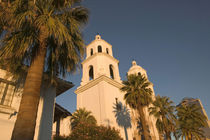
[(100, 92), (61, 123), (10, 102)]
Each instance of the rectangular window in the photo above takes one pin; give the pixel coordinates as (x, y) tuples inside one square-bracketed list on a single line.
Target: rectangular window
[(6, 92)]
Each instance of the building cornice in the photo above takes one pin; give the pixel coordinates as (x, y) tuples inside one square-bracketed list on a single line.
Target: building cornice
[(98, 41), (96, 81), (98, 54), (6, 109)]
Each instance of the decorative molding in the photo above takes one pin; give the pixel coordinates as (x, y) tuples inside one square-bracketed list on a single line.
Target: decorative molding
[(136, 68), (7, 81), (6, 109), (96, 81), (97, 54), (97, 41)]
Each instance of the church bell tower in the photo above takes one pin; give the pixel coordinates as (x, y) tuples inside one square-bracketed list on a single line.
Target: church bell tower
[(99, 90), (99, 61)]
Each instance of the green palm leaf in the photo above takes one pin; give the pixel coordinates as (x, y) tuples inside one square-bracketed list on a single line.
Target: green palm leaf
[(42, 37)]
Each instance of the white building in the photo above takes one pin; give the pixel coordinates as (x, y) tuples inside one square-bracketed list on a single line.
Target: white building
[(99, 91), (10, 101), (61, 125)]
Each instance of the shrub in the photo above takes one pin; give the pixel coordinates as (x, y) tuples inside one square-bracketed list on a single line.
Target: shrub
[(85, 131), (60, 138)]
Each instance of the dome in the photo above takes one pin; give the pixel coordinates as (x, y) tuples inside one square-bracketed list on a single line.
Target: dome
[(136, 69)]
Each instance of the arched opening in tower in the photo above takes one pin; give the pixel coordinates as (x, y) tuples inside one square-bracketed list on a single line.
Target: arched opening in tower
[(111, 71), (91, 75), (107, 50), (99, 49), (91, 52)]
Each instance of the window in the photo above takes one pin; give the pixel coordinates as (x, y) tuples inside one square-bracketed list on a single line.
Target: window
[(107, 50), (139, 73), (111, 71), (6, 92), (91, 74), (99, 49), (91, 52)]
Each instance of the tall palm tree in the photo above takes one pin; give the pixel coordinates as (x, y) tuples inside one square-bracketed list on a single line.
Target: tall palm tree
[(46, 38), (82, 116), (138, 96), (163, 111), (191, 121)]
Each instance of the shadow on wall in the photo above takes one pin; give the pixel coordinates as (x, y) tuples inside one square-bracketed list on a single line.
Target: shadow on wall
[(122, 115), (140, 128)]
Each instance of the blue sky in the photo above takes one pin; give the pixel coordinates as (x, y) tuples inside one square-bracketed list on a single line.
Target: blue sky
[(168, 38)]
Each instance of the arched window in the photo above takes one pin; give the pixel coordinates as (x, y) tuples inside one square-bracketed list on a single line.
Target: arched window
[(111, 71), (91, 74), (91, 52), (99, 49), (107, 50), (139, 73)]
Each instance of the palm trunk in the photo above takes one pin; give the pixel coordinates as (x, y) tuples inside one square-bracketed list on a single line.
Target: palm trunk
[(186, 137), (190, 136), (144, 123), (26, 120), (168, 136)]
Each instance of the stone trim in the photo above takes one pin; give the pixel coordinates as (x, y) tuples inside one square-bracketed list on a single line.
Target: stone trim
[(102, 53), (96, 81), (6, 109), (97, 41)]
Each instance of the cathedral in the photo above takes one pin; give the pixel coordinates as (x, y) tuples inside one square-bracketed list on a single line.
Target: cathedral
[(100, 93)]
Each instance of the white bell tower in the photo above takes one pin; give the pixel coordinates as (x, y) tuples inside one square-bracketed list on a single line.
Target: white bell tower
[(99, 61), (100, 86)]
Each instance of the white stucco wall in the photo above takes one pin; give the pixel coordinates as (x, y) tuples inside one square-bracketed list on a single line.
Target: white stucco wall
[(7, 120), (65, 124), (6, 126), (100, 100), (94, 45), (64, 128), (100, 61), (45, 113), (44, 116)]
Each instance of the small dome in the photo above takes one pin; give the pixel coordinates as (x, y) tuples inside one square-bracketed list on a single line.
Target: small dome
[(135, 69)]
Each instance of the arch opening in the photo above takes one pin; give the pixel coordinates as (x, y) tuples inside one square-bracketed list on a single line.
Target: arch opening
[(99, 49), (91, 73), (107, 50), (91, 52), (111, 71)]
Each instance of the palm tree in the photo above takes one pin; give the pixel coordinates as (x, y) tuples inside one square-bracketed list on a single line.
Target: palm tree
[(46, 38), (138, 96), (163, 111), (82, 116), (191, 121)]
